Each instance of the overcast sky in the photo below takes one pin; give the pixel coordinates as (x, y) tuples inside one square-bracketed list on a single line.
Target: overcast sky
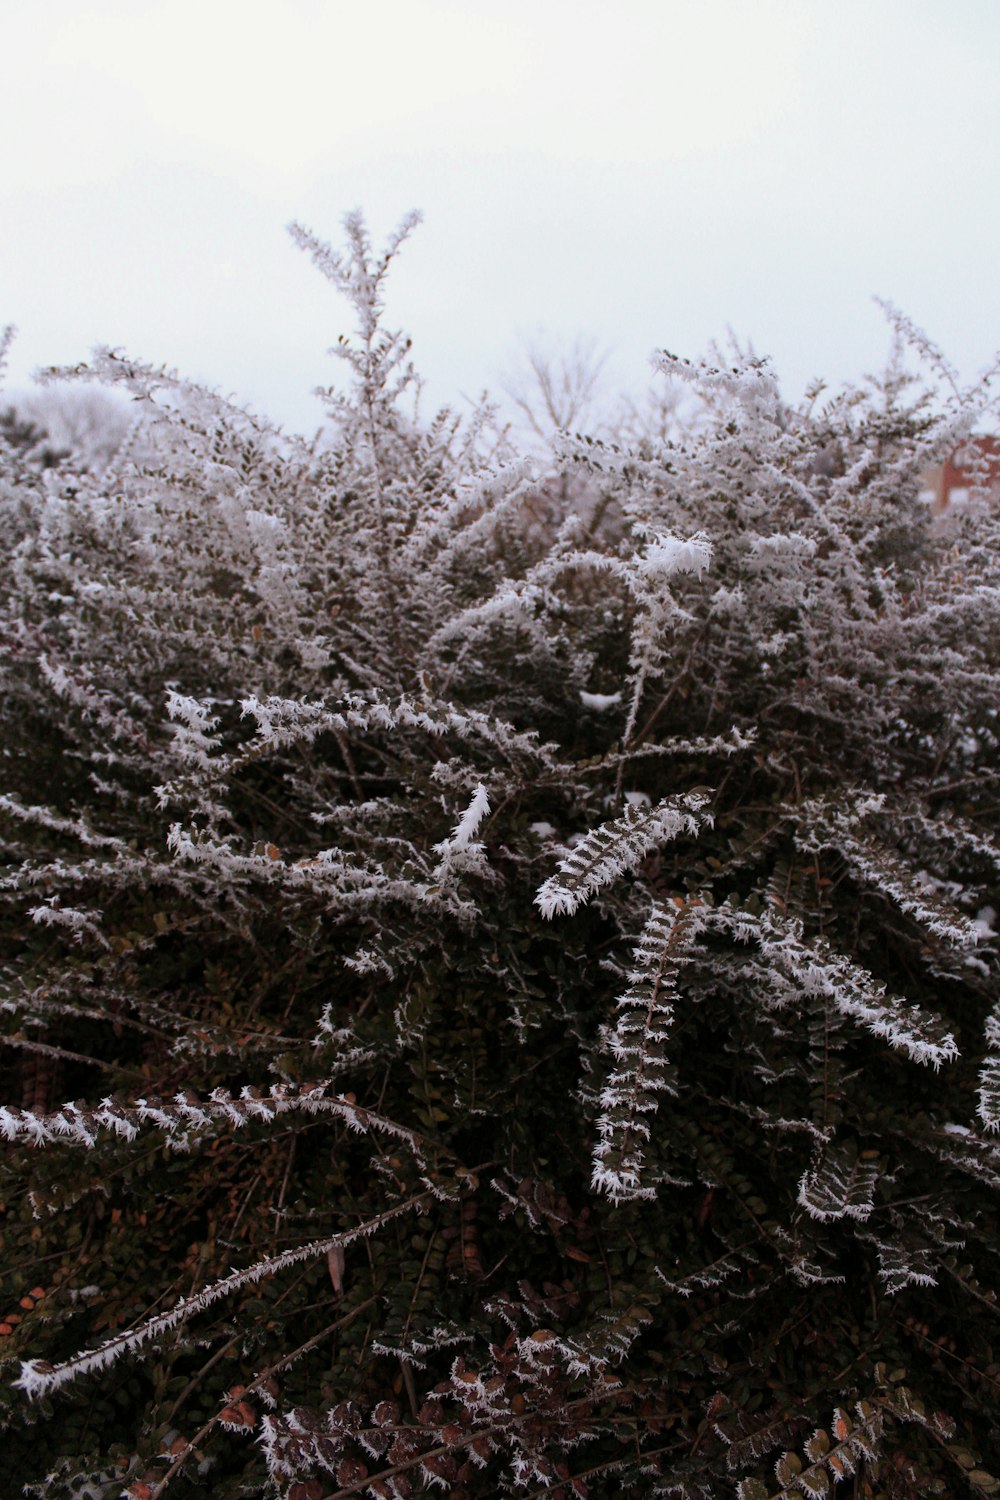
[(648, 173)]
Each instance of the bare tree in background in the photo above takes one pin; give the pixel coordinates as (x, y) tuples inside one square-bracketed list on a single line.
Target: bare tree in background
[(556, 388), (559, 388), (660, 416), (86, 425)]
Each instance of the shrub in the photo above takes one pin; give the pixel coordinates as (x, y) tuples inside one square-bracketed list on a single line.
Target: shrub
[(528, 996)]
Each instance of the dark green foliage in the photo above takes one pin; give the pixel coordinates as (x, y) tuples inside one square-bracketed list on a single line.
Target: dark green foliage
[(529, 999)]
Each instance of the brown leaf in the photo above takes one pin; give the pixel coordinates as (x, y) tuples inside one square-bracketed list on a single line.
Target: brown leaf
[(335, 1264)]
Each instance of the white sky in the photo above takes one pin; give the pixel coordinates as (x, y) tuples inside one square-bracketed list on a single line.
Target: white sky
[(648, 172)]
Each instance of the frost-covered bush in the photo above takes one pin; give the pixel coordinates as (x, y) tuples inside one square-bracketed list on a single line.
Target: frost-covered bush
[(527, 994)]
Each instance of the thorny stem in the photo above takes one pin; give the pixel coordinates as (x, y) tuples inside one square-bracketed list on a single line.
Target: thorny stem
[(190, 1306), (284, 1188), (678, 682), (47, 1050), (254, 1385), (199, 1376)]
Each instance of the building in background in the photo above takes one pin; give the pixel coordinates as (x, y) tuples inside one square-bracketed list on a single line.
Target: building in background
[(976, 465)]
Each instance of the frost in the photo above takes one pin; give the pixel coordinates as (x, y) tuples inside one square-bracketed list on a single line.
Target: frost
[(983, 922), (80, 922), (544, 868), (468, 825), (616, 848), (600, 702), (638, 799), (667, 555)]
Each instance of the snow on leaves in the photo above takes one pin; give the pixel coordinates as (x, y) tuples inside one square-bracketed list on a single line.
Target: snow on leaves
[(637, 1043), (840, 1182), (989, 1076), (794, 967), (877, 866), (617, 848), (180, 1118), (464, 833), (666, 555)]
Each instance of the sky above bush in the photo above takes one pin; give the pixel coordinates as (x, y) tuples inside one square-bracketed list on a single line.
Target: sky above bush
[(649, 177)]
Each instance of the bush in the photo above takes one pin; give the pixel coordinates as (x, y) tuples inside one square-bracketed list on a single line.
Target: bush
[(528, 993)]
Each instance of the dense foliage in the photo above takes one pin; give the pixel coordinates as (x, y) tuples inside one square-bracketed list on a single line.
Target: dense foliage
[(525, 976)]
